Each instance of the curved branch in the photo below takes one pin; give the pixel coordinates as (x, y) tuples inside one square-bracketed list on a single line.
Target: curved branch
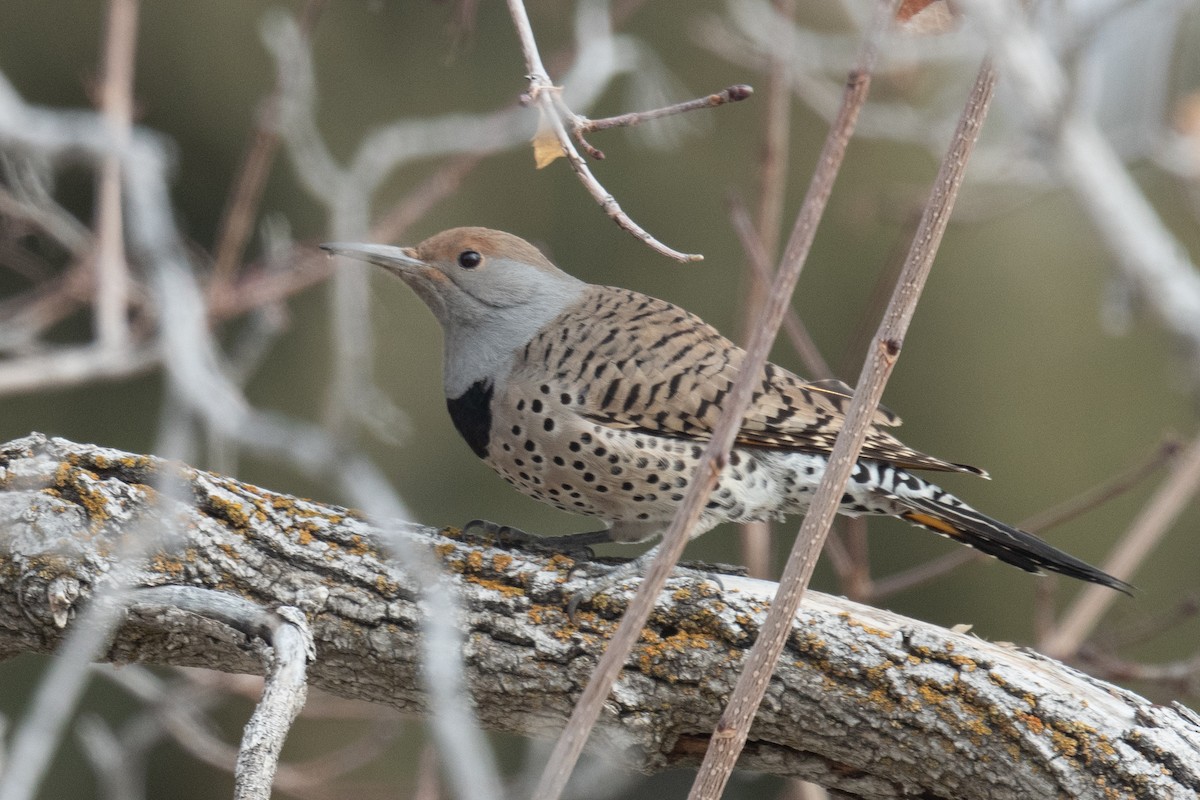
[(865, 701)]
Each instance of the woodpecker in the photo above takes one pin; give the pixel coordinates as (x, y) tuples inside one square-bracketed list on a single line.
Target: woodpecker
[(599, 401)]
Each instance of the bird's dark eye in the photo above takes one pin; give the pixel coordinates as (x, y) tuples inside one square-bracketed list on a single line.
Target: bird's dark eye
[(469, 259)]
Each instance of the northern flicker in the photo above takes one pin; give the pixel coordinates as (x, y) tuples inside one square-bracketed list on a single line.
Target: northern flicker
[(599, 401)]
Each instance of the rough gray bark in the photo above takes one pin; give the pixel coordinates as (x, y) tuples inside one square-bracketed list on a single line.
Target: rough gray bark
[(864, 701)]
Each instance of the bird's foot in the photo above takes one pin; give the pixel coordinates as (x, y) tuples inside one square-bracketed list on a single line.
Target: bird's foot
[(493, 534), (606, 577)]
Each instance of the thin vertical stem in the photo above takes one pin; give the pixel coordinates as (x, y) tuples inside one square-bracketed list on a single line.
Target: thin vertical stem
[(734, 726), (587, 710), (116, 101)]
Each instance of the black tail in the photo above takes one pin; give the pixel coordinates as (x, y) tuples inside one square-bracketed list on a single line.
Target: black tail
[(1010, 545)]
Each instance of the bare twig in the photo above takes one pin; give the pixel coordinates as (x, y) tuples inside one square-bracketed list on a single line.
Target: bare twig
[(237, 221), (111, 274), (1069, 509), (50, 218), (1182, 677), (1163, 456), (765, 232), (177, 708), (1145, 629), (1144, 534), (756, 256), (70, 366), (855, 577), (119, 773), (284, 691), (571, 741), (731, 732), (545, 95), (428, 784), (581, 126)]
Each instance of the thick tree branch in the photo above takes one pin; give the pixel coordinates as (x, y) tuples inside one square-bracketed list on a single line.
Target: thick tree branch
[(865, 701)]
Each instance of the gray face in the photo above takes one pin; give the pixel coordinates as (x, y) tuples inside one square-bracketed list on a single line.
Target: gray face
[(491, 291)]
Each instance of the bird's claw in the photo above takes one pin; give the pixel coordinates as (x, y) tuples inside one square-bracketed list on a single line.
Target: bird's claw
[(506, 536), (492, 533)]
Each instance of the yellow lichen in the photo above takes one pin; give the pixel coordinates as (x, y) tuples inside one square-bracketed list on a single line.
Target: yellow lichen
[(386, 587), (1032, 722), (496, 586), (166, 565)]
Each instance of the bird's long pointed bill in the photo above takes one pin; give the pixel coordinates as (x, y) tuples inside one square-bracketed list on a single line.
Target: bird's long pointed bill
[(393, 259)]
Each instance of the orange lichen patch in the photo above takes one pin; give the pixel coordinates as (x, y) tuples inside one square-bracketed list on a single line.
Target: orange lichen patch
[(1083, 742), (1064, 744), (965, 663), (560, 562), (960, 710), (304, 537), (475, 561), (231, 511), (1033, 723), (386, 587), (227, 549), (853, 621), (359, 546), (133, 462), (603, 603), (655, 654), (167, 565), (495, 586), (809, 643), (81, 484), (281, 502)]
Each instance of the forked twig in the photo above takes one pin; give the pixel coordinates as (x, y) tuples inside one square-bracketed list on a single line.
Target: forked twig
[(581, 126), (734, 726), (545, 95)]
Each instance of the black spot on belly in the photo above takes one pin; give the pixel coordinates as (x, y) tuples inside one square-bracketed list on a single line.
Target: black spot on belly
[(472, 415)]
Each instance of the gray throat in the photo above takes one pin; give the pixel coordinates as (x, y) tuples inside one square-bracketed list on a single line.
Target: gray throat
[(484, 349)]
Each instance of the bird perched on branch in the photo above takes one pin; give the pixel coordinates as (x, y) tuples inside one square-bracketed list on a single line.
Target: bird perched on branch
[(599, 401)]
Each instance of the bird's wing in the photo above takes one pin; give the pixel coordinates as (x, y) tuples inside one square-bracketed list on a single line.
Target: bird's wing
[(630, 361)]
